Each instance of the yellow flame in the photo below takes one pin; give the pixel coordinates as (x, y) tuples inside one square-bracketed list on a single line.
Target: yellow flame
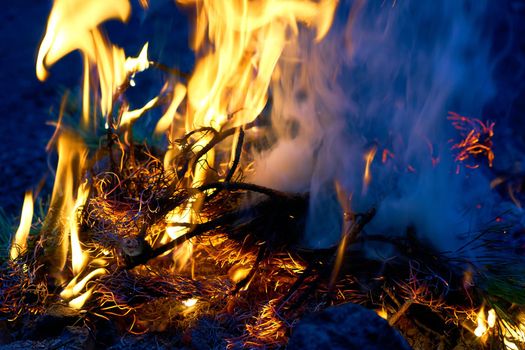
[(238, 272), (231, 80), (74, 25), (167, 118), (19, 245), (491, 319), (178, 216), (481, 329), (513, 332), (185, 214), (78, 257), (382, 313), (240, 43), (72, 155), (485, 324), (79, 301), (137, 64), (130, 116), (86, 95), (190, 302), (73, 288), (509, 345)]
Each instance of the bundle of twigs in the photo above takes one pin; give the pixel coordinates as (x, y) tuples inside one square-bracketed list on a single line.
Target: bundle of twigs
[(248, 269)]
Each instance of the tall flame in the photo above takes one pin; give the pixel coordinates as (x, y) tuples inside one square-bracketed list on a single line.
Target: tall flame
[(74, 25), (239, 43), (66, 198), (78, 257), (243, 41), (19, 245)]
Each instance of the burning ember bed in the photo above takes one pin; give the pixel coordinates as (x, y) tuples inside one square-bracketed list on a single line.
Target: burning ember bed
[(324, 176)]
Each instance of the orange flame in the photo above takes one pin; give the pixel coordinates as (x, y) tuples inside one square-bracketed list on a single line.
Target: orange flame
[(72, 155), (246, 39), (367, 176), (19, 244), (382, 313), (484, 323), (73, 25), (239, 43), (78, 257)]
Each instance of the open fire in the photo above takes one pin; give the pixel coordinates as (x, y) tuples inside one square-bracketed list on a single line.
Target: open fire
[(268, 187)]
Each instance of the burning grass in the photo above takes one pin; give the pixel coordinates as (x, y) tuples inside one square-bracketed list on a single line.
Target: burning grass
[(246, 270), (174, 241)]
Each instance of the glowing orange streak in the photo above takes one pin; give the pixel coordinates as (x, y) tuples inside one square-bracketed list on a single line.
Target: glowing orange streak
[(386, 154), (348, 220), (369, 158)]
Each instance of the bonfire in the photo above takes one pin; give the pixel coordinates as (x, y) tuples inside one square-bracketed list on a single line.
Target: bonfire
[(203, 223)]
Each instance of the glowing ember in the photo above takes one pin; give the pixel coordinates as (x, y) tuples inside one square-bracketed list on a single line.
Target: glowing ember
[(238, 272), (477, 140)]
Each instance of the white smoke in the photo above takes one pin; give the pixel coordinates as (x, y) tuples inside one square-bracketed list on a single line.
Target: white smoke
[(386, 79)]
